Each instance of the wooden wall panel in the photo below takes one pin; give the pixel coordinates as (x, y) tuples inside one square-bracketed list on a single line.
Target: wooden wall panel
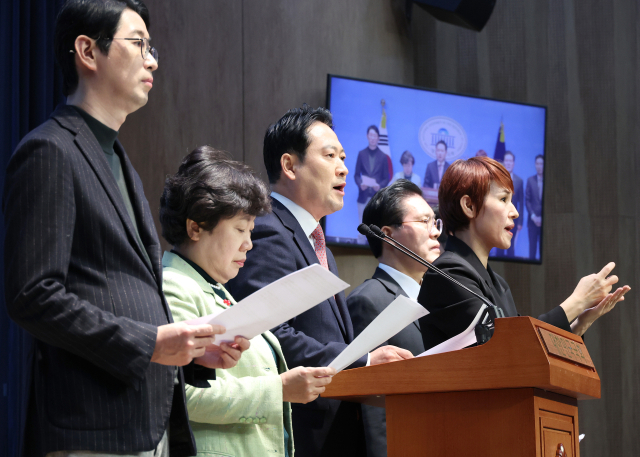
[(197, 93), (290, 47)]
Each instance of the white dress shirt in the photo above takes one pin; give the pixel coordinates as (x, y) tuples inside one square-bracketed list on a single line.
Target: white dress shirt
[(304, 217), (408, 284)]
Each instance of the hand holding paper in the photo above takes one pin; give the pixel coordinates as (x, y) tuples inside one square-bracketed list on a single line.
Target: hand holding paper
[(225, 355), (304, 384), (400, 313)]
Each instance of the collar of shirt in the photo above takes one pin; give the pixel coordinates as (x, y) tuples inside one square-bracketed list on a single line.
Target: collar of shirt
[(304, 217), (408, 284)]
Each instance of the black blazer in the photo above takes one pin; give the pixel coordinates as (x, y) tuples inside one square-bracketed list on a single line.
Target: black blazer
[(379, 172), (452, 308), (77, 280), (313, 339), (431, 173), (365, 303)]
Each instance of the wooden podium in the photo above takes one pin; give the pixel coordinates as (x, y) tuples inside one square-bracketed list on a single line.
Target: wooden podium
[(514, 396)]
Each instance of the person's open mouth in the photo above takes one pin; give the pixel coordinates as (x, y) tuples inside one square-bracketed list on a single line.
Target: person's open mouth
[(340, 188)]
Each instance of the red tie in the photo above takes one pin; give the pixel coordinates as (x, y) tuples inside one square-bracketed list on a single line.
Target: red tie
[(320, 246)]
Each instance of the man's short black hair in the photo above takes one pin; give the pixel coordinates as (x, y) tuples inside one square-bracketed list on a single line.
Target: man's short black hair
[(208, 187), (386, 208), (442, 142), (373, 127), (291, 135), (511, 154), (97, 19), (539, 156)]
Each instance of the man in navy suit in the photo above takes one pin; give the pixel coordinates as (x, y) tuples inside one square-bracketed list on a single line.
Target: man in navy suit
[(509, 163), (82, 259), (435, 169), (305, 165), (400, 212), (533, 199)]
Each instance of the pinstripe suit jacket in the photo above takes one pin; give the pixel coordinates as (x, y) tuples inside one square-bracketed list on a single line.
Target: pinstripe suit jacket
[(76, 279)]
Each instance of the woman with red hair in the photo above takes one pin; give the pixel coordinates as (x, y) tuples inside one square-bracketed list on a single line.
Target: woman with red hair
[(476, 209)]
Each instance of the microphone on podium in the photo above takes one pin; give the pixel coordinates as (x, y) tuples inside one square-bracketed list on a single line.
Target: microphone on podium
[(484, 329)]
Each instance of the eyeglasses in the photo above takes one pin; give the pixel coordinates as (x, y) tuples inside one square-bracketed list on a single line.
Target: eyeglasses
[(430, 222), (145, 47)]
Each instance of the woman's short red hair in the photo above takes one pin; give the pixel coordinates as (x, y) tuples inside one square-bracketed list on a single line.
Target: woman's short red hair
[(470, 177)]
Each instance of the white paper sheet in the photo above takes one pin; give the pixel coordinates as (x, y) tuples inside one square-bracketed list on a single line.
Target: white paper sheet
[(276, 303), (400, 313), (460, 341), (368, 181)]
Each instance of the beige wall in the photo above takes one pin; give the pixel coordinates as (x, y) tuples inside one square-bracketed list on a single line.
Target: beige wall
[(229, 68)]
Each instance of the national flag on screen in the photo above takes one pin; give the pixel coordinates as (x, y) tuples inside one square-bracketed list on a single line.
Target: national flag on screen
[(500, 146), (383, 141)]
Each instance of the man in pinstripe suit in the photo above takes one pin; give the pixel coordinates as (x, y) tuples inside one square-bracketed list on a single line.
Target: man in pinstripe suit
[(82, 259)]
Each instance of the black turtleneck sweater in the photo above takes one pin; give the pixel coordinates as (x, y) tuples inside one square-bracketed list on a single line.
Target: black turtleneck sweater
[(106, 138)]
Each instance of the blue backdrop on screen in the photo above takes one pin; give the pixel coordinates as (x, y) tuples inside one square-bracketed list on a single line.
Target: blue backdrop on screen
[(415, 120)]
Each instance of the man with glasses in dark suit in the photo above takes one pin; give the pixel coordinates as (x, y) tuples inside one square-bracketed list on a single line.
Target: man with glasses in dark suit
[(400, 212), (82, 259)]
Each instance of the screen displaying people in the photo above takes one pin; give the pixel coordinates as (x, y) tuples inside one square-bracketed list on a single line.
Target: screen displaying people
[(425, 130)]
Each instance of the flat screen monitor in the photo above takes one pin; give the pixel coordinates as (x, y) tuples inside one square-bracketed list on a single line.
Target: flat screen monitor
[(391, 132)]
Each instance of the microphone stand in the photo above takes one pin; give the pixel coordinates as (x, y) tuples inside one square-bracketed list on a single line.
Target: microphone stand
[(484, 329)]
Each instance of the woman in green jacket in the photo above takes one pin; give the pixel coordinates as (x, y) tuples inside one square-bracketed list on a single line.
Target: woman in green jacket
[(207, 211)]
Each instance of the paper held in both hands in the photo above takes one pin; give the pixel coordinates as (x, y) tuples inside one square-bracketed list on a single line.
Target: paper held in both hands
[(276, 303)]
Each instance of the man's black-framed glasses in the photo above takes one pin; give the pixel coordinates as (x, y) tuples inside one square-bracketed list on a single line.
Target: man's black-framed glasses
[(430, 222), (145, 47)]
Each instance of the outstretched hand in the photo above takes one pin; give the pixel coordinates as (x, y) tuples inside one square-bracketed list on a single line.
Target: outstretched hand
[(225, 355), (590, 291), (589, 316)]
